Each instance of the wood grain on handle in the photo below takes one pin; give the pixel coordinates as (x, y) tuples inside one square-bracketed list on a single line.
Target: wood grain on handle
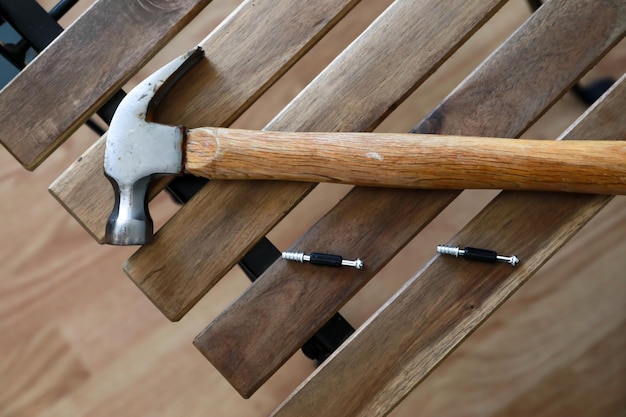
[(408, 160)]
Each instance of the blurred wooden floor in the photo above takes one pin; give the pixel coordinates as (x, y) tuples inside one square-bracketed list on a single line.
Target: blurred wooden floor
[(78, 339)]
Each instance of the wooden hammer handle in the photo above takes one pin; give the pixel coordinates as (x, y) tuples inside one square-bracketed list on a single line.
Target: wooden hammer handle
[(408, 160)]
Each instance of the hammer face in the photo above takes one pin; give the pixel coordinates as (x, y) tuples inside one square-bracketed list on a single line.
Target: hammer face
[(130, 222)]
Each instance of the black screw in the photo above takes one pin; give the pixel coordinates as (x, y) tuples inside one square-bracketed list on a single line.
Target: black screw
[(476, 254), (322, 259)]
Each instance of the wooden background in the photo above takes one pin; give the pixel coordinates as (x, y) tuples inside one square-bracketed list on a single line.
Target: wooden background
[(77, 338)]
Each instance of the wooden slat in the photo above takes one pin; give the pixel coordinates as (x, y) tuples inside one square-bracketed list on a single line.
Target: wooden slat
[(248, 354), (214, 93), (354, 93), (81, 69), (441, 305)]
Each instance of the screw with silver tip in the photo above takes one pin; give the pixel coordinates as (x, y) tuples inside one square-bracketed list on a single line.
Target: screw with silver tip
[(476, 254), (322, 259)]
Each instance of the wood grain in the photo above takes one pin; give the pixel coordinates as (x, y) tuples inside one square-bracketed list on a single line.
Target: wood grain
[(240, 67), (408, 160), (52, 369), (448, 299), (304, 300), (353, 93), (68, 300), (74, 76)]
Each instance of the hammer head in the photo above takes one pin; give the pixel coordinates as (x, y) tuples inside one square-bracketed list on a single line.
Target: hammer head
[(138, 149)]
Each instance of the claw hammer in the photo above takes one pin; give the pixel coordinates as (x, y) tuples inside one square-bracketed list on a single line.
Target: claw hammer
[(137, 149)]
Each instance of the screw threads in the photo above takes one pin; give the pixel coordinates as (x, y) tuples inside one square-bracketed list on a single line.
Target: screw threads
[(293, 256), (449, 250)]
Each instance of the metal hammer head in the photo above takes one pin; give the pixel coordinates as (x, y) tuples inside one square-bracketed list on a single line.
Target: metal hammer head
[(137, 149)]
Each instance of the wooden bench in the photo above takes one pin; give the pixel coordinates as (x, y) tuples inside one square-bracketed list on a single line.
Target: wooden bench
[(446, 299)]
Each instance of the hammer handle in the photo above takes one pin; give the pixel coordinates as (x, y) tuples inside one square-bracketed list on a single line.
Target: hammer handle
[(408, 160)]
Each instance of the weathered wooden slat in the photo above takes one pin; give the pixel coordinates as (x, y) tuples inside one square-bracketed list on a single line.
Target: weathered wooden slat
[(441, 305), (247, 355), (354, 93), (81, 69), (214, 93)]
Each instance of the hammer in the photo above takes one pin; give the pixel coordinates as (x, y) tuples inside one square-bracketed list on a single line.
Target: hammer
[(138, 149)]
